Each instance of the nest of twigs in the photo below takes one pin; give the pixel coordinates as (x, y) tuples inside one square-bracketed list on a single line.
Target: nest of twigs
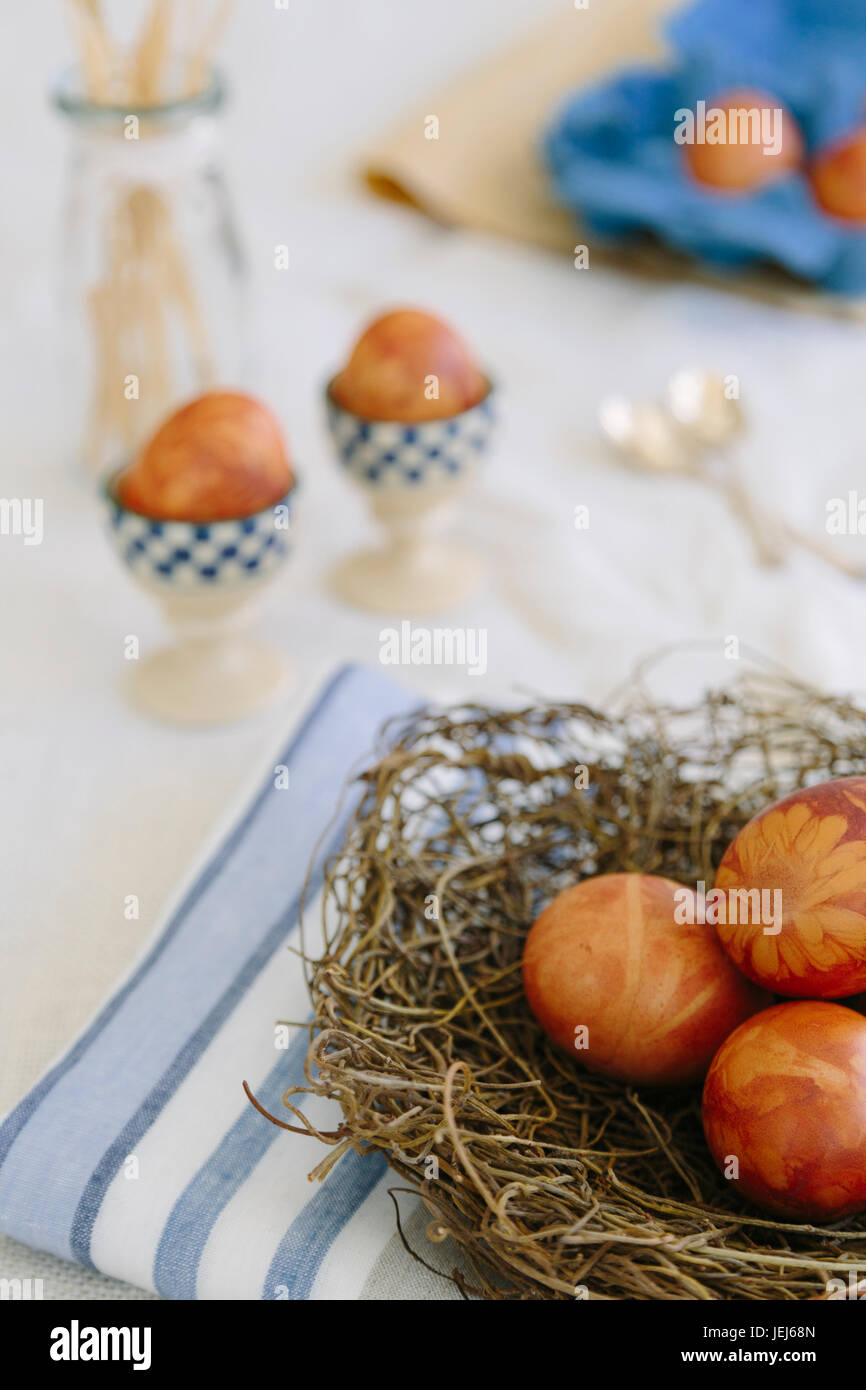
[(552, 1181)]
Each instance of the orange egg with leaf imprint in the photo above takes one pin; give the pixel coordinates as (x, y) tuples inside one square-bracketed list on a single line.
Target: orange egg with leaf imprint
[(794, 881), (784, 1110), (615, 975)]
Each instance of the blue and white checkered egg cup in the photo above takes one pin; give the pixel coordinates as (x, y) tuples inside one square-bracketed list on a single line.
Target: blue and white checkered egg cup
[(414, 476), (205, 576), (187, 556)]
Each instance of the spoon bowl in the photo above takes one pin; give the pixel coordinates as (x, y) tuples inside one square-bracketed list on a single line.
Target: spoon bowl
[(644, 435), (699, 402)]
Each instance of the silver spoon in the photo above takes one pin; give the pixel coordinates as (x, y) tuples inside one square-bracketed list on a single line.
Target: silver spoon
[(644, 434), (649, 438), (712, 419), (701, 405)]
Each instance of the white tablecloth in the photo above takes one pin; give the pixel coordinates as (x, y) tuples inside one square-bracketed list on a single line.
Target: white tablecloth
[(97, 803)]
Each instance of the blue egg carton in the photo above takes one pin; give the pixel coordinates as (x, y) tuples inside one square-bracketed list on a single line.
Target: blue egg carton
[(614, 161)]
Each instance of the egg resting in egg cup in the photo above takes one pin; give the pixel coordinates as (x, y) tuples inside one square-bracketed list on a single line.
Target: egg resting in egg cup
[(206, 576), (415, 476)]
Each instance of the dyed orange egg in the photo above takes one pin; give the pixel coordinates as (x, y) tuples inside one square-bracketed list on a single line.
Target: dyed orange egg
[(799, 868), (409, 366), (839, 178), (222, 456), (615, 977), (785, 1110), (751, 122)]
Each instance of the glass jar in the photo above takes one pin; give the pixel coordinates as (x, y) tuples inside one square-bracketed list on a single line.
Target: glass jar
[(153, 275)]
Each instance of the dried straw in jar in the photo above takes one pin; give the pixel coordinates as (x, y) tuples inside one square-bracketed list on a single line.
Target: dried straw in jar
[(147, 282)]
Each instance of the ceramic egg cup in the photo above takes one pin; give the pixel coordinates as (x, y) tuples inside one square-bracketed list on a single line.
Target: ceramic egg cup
[(414, 476), (205, 576)]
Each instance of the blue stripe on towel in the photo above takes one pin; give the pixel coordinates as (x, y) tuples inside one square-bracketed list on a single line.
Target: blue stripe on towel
[(137, 1126), (18, 1118), (91, 1108), (313, 1232), (188, 1229)]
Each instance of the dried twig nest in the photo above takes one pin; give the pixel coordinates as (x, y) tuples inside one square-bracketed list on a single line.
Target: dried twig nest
[(551, 1180)]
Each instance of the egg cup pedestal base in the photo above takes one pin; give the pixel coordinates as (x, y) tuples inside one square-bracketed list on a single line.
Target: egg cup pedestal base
[(215, 673), (416, 570), (382, 582)]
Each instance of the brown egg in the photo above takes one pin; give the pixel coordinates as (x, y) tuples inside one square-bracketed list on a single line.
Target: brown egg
[(794, 881), (785, 1110), (222, 456), (741, 165), (615, 976), (409, 366), (839, 178)]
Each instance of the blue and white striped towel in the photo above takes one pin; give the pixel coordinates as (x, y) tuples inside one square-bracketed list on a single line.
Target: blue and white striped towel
[(138, 1154)]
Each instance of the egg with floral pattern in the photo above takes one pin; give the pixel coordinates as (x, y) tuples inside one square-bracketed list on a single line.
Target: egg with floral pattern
[(794, 893), (785, 1110)]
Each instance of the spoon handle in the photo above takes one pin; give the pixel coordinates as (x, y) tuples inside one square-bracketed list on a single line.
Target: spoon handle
[(825, 552), (766, 540)]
